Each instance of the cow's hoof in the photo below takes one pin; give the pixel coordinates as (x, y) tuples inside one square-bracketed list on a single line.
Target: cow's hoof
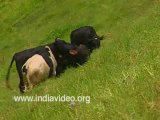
[(23, 89)]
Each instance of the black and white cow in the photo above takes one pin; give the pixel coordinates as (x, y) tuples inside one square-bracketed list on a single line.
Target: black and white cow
[(36, 70), (86, 35), (65, 54)]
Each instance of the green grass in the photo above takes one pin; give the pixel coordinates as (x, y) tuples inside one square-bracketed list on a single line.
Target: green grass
[(122, 77)]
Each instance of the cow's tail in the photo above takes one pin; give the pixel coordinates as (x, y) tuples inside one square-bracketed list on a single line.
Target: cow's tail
[(8, 72)]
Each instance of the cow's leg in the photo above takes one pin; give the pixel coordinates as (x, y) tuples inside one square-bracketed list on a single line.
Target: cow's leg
[(30, 85), (21, 83)]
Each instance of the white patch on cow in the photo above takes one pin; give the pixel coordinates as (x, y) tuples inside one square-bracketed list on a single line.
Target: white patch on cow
[(37, 71), (25, 88), (53, 60)]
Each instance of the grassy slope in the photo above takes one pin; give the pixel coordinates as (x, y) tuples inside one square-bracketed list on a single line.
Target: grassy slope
[(121, 77)]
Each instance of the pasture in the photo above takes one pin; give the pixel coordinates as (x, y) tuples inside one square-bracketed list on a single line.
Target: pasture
[(122, 77)]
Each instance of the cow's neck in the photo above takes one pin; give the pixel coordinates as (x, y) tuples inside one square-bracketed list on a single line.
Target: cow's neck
[(54, 51)]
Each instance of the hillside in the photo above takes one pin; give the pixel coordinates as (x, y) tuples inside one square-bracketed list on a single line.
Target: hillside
[(121, 77)]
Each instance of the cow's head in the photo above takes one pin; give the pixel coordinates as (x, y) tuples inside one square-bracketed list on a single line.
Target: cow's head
[(72, 54), (93, 43), (78, 55)]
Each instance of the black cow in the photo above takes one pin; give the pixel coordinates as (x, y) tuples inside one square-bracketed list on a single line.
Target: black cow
[(86, 35), (65, 54)]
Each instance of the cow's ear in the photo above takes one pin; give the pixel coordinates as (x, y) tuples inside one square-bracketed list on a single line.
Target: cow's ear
[(73, 52)]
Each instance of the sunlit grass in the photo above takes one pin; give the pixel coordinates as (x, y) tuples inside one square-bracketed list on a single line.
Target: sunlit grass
[(122, 76)]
